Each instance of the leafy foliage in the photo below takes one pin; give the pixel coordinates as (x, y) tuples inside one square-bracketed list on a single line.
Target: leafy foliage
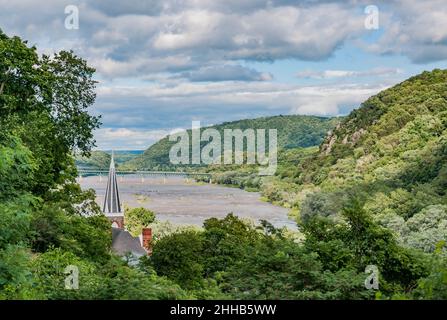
[(178, 257), (48, 222), (137, 219), (391, 154)]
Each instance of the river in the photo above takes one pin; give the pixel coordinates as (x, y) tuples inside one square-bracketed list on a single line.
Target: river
[(184, 202)]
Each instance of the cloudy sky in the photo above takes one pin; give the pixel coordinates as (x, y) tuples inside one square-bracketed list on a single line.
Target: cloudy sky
[(162, 64)]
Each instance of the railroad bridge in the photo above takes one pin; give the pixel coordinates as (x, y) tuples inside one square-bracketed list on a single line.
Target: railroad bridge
[(142, 173)]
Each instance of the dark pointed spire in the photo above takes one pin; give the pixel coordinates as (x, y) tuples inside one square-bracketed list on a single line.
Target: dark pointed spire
[(112, 202)]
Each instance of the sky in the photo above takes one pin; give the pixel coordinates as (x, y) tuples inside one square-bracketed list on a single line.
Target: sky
[(163, 64)]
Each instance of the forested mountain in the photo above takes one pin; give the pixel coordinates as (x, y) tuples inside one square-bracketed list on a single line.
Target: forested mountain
[(293, 131), (391, 152), (99, 160)]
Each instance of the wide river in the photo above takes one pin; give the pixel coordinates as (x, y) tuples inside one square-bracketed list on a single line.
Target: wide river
[(184, 202)]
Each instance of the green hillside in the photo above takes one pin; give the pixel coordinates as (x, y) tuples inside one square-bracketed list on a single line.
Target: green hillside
[(293, 131), (99, 160), (391, 153)]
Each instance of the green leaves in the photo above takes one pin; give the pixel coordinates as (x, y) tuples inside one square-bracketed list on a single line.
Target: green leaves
[(137, 219), (48, 222), (179, 257), (87, 237), (358, 242), (15, 276), (72, 93), (17, 167), (44, 101)]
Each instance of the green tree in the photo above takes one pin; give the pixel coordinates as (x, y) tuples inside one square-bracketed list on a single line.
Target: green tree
[(360, 242), (434, 286), (275, 267), (179, 257), (427, 228), (49, 275), (224, 241), (45, 100), (137, 219), (86, 237)]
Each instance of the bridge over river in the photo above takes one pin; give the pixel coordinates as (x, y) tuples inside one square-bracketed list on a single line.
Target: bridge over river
[(143, 174)]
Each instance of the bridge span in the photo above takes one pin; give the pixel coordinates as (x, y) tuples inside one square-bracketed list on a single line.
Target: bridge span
[(144, 173)]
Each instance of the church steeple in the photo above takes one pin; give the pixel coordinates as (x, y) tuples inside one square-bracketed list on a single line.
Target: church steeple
[(112, 202)]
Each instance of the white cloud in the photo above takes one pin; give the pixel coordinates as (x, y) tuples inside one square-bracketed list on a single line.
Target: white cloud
[(330, 100), (417, 29), (165, 63), (331, 74), (131, 38), (185, 34), (127, 139), (178, 104)]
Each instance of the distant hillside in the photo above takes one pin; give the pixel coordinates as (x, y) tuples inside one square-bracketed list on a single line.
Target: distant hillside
[(100, 160), (293, 131), (397, 137)]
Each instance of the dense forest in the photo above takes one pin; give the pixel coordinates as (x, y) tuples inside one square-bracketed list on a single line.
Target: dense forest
[(372, 194)]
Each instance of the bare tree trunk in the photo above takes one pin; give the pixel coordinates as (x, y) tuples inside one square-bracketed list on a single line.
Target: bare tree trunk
[(1, 87)]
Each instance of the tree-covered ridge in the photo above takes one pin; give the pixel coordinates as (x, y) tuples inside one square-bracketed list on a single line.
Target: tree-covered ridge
[(405, 119), (100, 160), (394, 150), (293, 131)]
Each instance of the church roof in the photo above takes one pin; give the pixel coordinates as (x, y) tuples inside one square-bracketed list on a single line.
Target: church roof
[(123, 242), (112, 202)]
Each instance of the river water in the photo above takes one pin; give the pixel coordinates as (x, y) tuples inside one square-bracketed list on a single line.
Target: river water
[(185, 202)]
